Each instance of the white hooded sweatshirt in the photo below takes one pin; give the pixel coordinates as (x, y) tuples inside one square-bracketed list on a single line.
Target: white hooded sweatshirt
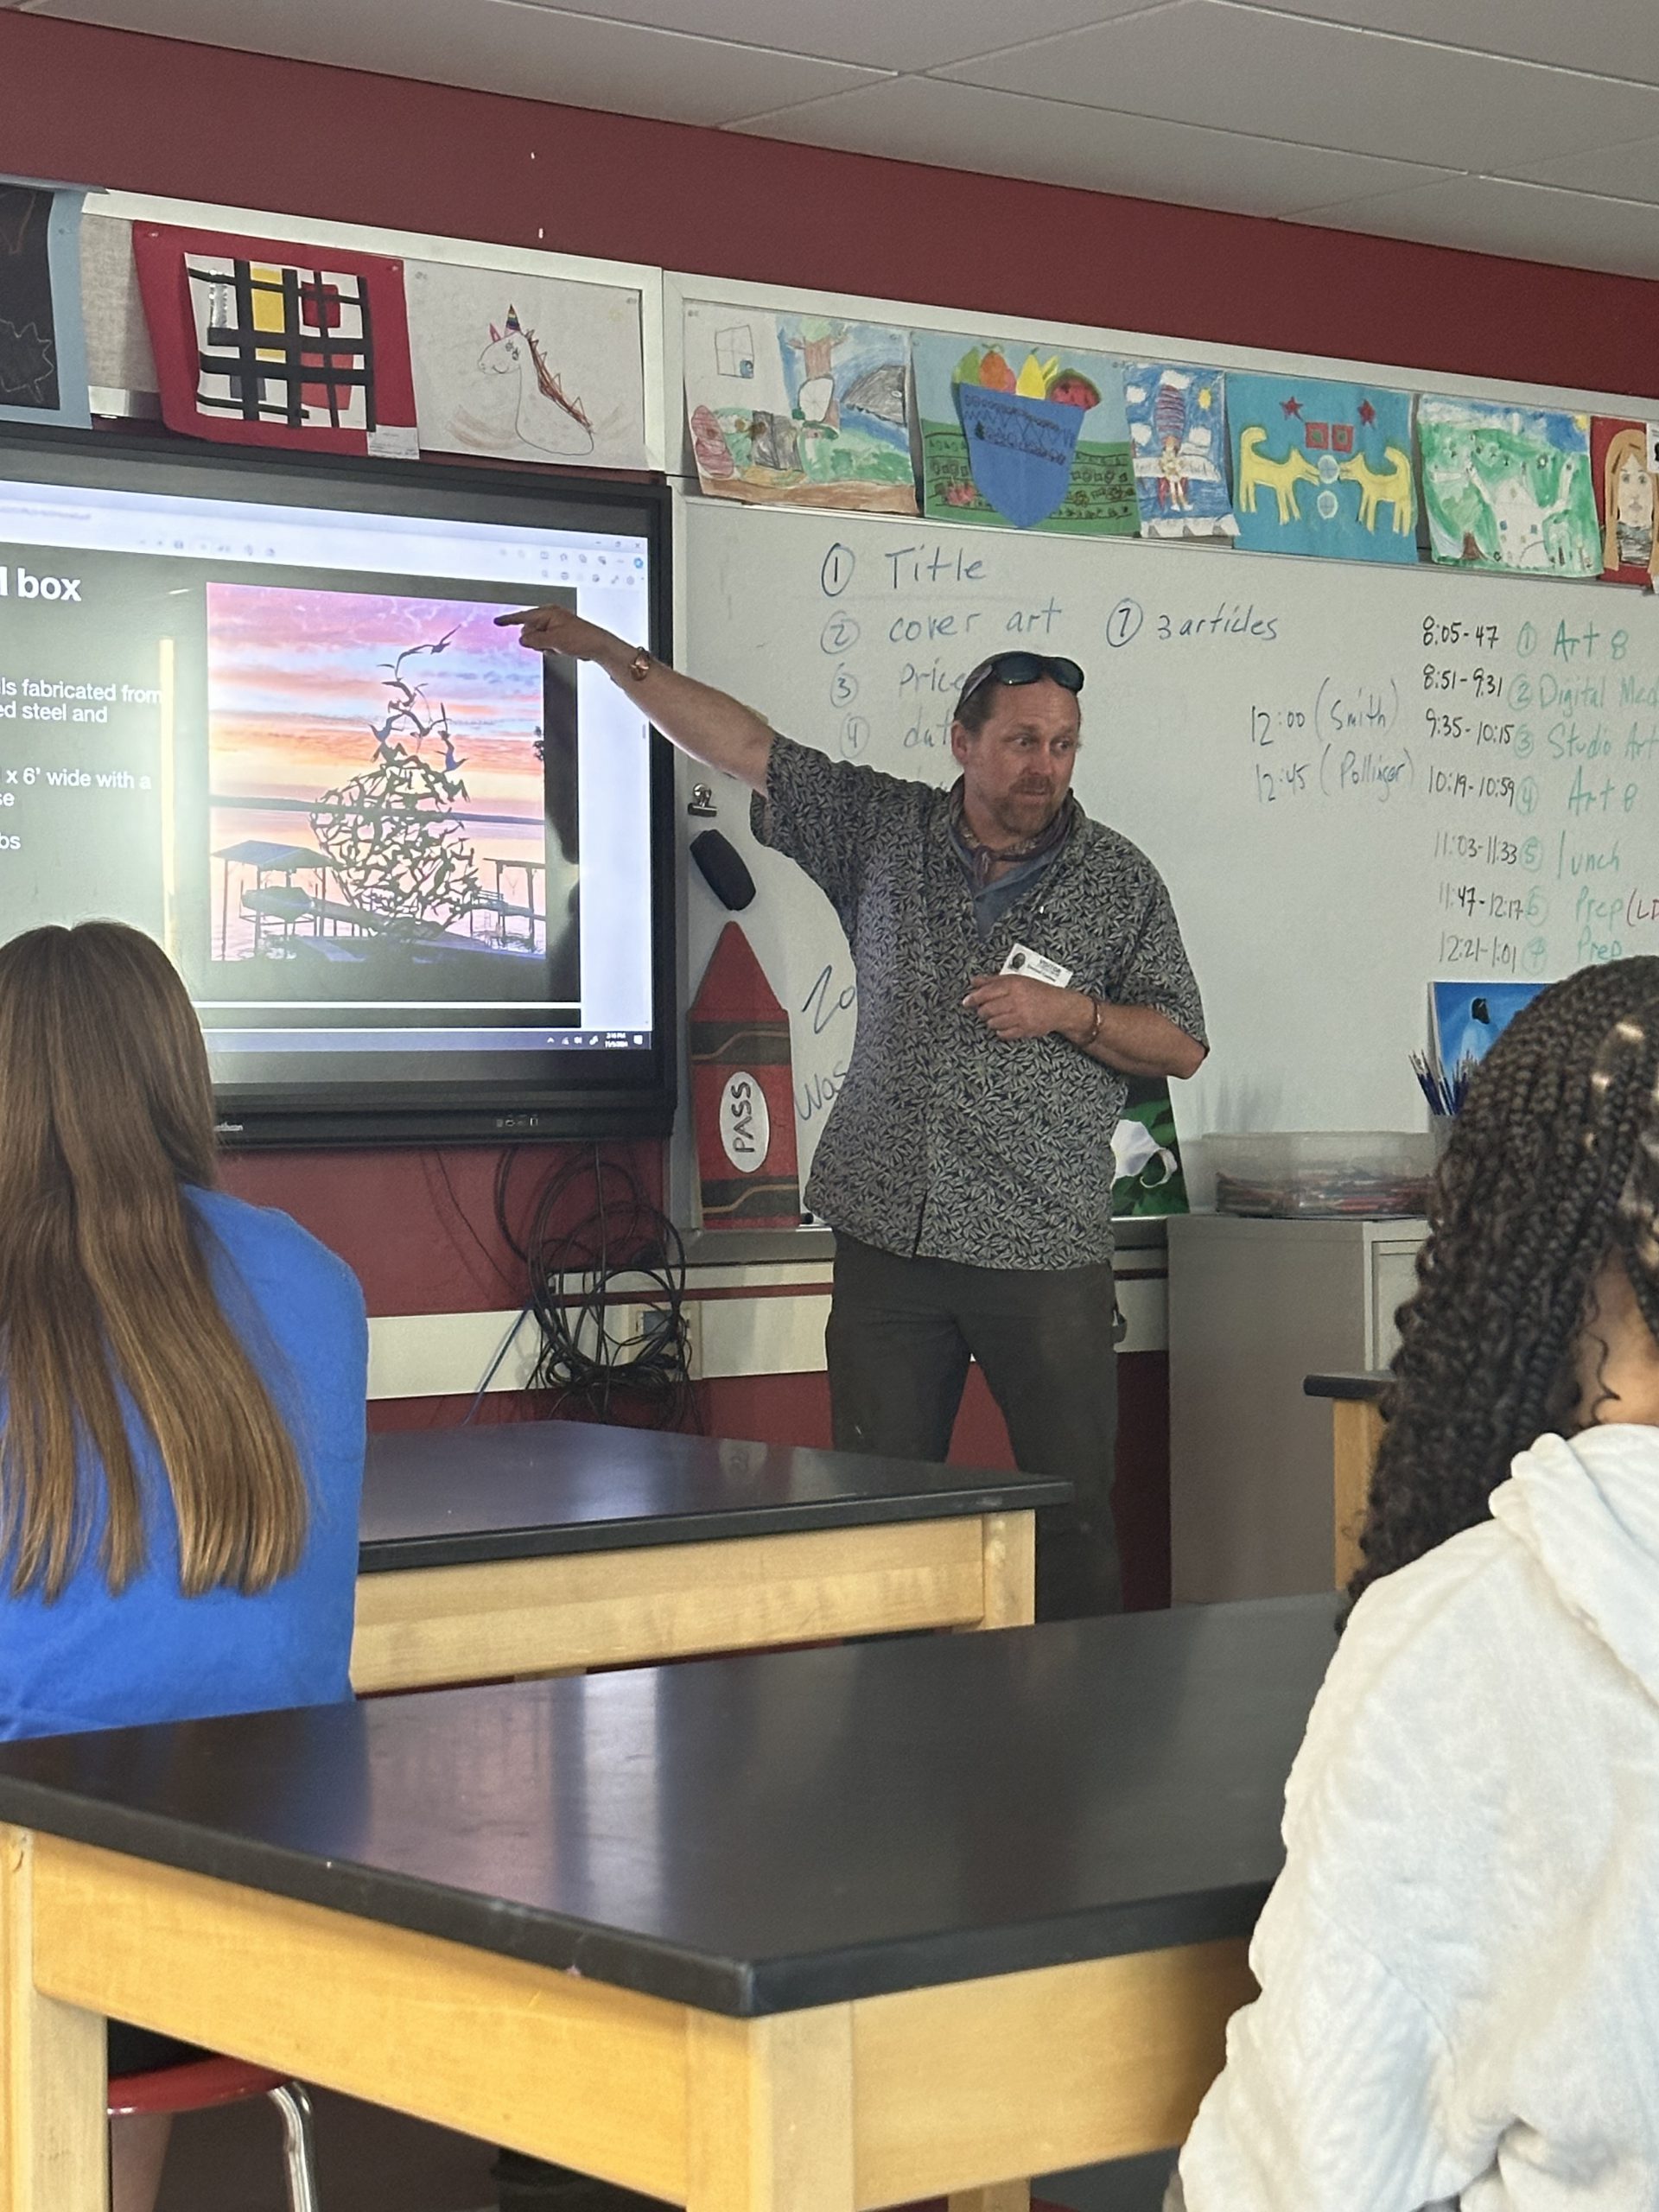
[(1459, 1965)]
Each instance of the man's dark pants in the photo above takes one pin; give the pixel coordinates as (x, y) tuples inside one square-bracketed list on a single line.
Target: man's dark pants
[(901, 1334)]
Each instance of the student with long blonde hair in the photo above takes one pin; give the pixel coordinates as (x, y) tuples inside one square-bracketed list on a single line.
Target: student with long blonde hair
[(182, 1383)]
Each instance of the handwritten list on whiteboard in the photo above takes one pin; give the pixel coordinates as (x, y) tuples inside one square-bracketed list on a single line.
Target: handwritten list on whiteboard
[(1353, 778)]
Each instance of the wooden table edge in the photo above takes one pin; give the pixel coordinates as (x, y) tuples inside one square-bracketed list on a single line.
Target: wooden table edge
[(423, 1627), (962, 2088), (1364, 1383)]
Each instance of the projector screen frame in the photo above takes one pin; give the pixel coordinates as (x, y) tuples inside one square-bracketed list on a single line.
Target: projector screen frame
[(580, 1102)]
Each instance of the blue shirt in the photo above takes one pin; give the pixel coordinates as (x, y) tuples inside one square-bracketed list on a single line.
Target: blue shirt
[(94, 1660), (1005, 891), (997, 894)]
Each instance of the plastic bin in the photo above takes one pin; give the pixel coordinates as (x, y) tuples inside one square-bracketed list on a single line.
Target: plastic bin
[(1321, 1172)]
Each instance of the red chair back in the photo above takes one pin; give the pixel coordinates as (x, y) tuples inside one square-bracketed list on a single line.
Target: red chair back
[(195, 2086)]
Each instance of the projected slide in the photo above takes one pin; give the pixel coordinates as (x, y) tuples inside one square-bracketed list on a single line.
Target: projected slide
[(385, 844), (377, 823)]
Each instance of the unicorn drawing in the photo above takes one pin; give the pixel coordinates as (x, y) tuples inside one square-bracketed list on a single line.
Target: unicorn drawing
[(548, 418)]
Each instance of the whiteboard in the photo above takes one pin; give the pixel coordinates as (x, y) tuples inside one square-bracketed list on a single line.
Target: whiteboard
[(1353, 778)]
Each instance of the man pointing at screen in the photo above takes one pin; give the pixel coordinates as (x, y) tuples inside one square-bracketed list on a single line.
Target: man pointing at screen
[(1016, 961)]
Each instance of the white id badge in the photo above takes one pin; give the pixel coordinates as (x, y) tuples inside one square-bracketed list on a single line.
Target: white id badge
[(1022, 961)]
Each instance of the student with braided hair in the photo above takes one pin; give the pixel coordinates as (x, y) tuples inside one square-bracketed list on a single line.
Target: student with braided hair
[(1459, 1965)]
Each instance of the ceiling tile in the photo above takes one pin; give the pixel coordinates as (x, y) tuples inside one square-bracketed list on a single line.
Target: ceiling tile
[(881, 34), (1620, 172), (1527, 221), (498, 45), (1007, 134), (1616, 40), (1312, 83)]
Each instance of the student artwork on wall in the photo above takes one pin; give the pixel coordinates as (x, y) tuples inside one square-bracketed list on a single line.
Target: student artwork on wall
[(526, 367), (1625, 468), (1322, 467), (42, 349), (1030, 435), (1148, 1175), (1468, 1019), (259, 342), (1508, 488), (1178, 437), (798, 410)]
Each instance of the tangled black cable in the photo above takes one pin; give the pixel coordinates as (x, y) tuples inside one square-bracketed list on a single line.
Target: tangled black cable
[(624, 1251)]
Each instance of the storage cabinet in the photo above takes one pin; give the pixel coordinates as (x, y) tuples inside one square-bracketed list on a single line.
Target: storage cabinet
[(1254, 1307)]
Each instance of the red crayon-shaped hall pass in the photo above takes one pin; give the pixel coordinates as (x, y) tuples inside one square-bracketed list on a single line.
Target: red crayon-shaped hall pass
[(743, 1094)]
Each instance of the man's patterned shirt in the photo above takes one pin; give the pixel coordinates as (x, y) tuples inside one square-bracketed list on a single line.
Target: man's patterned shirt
[(946, 1141)]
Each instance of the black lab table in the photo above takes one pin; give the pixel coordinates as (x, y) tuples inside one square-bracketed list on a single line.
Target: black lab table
[(537, 1547), (815, 1930)]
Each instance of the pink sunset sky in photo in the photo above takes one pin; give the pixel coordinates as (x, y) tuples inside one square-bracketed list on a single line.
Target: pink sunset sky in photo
[(297, 677)]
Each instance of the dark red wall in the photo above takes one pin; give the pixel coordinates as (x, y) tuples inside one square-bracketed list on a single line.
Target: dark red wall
[(155, 116), (419, 1226)]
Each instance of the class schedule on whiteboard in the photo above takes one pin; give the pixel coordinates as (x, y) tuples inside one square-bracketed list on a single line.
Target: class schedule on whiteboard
[(1353, 777)]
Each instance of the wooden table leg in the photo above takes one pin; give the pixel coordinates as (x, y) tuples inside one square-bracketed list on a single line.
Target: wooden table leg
[(1357, 1431), (769, 2111), (1001, 2196), (1010, 1541), (54, 2136)]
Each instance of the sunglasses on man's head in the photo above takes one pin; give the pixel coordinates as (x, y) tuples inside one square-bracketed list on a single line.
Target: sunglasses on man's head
[(1021, 668)]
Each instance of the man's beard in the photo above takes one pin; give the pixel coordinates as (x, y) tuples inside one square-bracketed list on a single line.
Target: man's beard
[(1028, 814)]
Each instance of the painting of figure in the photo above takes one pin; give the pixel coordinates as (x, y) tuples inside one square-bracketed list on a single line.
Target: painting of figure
[(1178, 436), (1323, 468), (1508, 488), (798, 410), (1621, 456), (1470, 1018)]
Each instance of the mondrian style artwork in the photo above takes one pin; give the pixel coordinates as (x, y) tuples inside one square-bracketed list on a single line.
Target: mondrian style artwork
[(277, 344), (266, 344)]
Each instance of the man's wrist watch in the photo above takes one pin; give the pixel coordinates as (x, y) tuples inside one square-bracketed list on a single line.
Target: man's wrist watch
[(1099, 1006), (639, 667)]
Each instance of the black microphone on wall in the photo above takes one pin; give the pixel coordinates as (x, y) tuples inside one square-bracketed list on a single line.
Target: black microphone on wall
[(724, 870)]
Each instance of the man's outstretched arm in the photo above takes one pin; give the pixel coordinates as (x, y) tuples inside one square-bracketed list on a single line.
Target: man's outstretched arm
[(712, 726)]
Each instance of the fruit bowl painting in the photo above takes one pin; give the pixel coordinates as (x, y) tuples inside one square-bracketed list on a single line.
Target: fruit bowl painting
[(1027, 436), (1019, 450)]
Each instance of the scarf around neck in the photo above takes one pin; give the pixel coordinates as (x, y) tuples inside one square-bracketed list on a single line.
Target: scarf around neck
[(980, 859)]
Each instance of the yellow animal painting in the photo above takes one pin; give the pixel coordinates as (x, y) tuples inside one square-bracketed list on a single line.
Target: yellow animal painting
[(1387, 487), (1257, 472)]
